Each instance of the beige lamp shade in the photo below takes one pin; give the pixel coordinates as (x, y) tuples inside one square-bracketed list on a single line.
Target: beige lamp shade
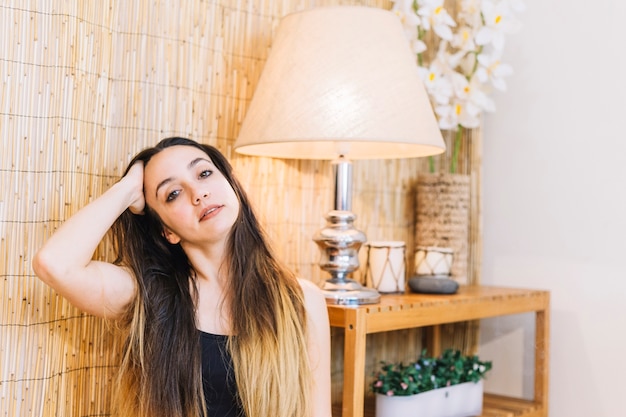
[(340, 81)]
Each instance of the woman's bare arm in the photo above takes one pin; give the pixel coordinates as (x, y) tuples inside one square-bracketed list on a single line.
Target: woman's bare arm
[(65, 262), (319, 347)]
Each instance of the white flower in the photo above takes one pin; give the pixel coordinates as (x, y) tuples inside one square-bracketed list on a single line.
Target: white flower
[(472, 91), (470, 12), (463, 39), (447, 59), (434, 14), (458, 112), (404, 10), (499, 20), (490, 69), (465, 106), (410, 23), (437, 85)]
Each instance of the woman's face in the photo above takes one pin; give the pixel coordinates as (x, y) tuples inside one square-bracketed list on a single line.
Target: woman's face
[(191, 196)]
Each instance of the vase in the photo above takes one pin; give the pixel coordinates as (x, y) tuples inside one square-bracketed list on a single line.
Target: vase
[(385, 268), (433, 261), (442, 217), (462, 400)]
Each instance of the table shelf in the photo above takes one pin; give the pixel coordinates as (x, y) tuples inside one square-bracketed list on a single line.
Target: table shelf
[(396, 312), (503, 406)]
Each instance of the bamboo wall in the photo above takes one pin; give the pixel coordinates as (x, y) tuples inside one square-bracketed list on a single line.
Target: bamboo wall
[(84, 86)]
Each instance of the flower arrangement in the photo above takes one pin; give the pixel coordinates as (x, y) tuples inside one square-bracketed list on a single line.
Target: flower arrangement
[(427, 373), (464, 65)]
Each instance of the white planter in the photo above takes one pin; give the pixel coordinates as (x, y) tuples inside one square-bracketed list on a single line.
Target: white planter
[(463, 400)]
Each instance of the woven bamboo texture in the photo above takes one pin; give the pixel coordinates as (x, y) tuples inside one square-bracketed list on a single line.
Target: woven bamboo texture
[(442, 217), (83, 87)]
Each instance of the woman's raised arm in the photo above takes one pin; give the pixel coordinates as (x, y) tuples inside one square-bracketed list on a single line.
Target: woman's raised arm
[(65, 262)]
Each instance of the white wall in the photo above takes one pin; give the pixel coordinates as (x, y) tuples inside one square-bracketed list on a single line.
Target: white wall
[(555, 203)]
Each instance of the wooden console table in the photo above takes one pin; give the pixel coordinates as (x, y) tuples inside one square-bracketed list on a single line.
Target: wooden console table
[(395, 312)]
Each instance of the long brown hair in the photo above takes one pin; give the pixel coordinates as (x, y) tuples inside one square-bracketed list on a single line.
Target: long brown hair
[(267, 314)]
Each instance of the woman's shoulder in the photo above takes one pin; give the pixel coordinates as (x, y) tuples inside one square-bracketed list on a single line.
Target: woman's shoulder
[(310, 289), (314, 300)]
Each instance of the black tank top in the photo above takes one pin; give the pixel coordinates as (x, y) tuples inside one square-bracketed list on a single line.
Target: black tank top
[(218, 380)]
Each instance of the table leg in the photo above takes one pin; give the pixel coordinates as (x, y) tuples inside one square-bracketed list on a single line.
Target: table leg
[(542, 350), (354, 364)]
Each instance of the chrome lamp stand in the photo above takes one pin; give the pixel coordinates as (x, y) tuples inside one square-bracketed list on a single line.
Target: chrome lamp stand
[(339, 242)]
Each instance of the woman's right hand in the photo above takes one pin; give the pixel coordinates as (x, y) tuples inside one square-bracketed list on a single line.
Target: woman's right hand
[(135, 177)]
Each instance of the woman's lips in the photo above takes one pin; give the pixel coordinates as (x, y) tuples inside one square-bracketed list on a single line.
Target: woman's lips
[(210, 211)]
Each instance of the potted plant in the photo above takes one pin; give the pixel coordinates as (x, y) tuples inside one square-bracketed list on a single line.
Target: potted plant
[(449, 385)]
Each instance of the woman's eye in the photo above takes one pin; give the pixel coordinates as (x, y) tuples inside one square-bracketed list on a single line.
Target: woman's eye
[(172, 196), (205, 173)]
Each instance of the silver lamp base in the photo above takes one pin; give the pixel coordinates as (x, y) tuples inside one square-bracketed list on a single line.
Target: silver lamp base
[(339, 243), (348, 292)]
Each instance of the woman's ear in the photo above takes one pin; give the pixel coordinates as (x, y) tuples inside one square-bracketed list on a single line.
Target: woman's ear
[(171, 237)]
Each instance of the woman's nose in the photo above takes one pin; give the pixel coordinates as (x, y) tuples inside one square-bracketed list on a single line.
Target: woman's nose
[(200, 195)]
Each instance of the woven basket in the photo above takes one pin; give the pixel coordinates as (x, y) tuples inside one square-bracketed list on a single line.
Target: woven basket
[(442, 218)]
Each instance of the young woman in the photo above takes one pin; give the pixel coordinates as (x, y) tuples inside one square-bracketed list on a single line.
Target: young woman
[(214, 325)]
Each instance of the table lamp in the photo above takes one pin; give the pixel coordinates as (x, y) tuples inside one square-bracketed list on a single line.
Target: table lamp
[(340, 83)]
